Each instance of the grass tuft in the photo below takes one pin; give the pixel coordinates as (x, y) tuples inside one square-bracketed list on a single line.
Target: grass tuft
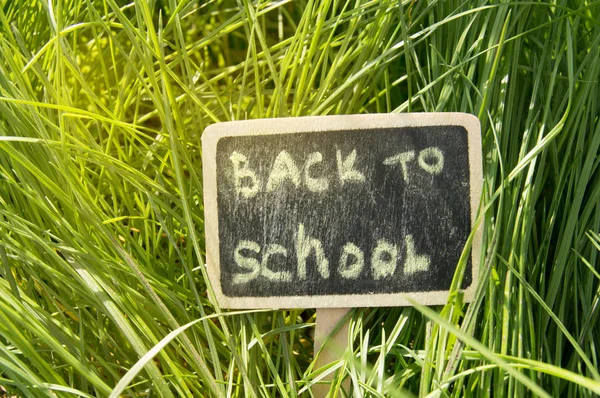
[(103, 285)]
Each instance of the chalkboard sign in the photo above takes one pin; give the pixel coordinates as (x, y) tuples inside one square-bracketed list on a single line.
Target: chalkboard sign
[(340, 211)]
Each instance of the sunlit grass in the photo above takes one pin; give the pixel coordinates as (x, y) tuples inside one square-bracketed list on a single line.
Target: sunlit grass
[(102, 105)]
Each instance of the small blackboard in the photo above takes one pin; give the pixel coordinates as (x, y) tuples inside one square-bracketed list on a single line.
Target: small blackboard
[(341, 211)]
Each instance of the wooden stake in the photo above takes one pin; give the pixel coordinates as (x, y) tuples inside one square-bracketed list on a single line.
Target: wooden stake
[(327, 320)]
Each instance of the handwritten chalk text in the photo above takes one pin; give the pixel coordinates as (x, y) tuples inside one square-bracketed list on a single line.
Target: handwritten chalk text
[(286, 172), (386, 260)]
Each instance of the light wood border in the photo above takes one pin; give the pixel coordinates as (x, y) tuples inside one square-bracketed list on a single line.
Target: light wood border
[(213, 133)]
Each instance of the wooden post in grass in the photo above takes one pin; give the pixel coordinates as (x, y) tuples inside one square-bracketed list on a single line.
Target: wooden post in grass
[(341, 211), (327, 320)]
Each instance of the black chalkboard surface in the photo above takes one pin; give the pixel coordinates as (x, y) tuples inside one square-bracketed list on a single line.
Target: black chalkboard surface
[(340, 211)]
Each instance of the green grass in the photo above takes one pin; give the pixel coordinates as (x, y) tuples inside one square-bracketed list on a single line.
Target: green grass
[(102, 105)]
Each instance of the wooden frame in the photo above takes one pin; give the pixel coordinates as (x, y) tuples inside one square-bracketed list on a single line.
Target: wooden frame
[(215, 132)]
